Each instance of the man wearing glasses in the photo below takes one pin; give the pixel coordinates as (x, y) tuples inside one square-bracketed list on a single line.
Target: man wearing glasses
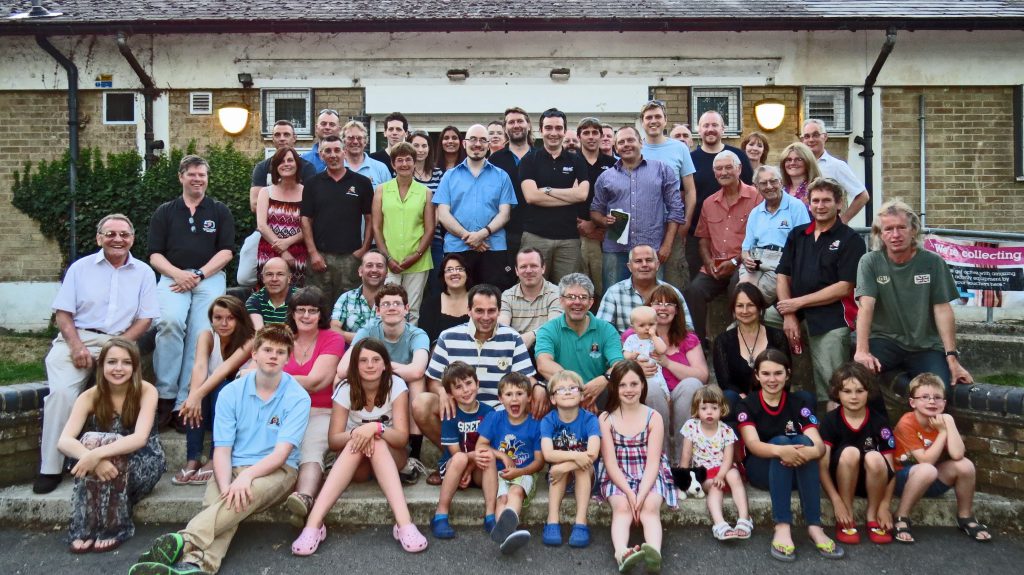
[(356, 158), (814, 137), (328, 123), (191, 239), (905, 320), (104, 294), (474, 200), (579, 341), (768, 227)]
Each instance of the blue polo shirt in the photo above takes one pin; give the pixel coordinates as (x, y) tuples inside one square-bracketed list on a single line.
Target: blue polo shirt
[(313, 157), (767, 229), (373, 169), (474, 201), (252, 427), (589, 355)]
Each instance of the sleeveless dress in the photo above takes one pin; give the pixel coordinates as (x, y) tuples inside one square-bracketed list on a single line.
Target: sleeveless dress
[(284, 219), (103, 509), (631, 454)]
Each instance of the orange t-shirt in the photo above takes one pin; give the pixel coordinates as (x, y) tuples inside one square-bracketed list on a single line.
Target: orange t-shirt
[(910, 435)]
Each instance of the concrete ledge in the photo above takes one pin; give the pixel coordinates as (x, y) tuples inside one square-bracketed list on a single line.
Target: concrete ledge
[(364, 504), (23, 396)]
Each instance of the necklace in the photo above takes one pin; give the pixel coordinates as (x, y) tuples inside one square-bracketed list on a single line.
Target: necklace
[(305, 352), (750, 348)]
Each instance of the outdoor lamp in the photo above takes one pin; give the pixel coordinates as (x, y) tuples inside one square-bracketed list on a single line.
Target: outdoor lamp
[(769, 114), (233, 117)]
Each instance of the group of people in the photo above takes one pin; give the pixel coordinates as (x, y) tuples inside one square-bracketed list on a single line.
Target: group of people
[(565, 326)]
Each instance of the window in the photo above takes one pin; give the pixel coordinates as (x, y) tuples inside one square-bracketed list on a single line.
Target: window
[(725, 101), (119, 107), (831, 106), (295, 105), (200, 103)]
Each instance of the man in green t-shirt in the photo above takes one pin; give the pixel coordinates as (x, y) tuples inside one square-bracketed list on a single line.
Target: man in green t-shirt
[(906, 321)]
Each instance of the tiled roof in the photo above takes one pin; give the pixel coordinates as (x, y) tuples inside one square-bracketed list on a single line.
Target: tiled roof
[(168, 16)]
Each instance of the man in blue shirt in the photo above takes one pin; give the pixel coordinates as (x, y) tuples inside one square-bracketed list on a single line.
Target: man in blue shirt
[(767, 228), (474, 200), (328, 123), (356, 159), (259, 425)]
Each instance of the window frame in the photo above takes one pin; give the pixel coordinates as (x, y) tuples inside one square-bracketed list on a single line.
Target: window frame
[(268, 118), (840, 95), (732, 128), (135, 102)]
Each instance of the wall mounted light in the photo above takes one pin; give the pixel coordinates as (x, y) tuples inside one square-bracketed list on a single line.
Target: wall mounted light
[(560, 74), (245, 79), (457, 75), (233, 117), (769, 114)]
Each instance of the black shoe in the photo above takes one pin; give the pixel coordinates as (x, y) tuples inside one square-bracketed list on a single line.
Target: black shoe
[(46, 482), (164, 410)]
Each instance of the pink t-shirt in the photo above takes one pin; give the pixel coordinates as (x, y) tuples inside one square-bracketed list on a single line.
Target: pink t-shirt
[(689, 342), (328, 342)]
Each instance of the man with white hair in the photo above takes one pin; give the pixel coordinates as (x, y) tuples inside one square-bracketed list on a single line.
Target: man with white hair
[(767, 228), (721, 229), (814, 136)]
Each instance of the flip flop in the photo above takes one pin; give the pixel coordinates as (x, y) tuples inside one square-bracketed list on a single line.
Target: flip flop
[(652, 558), (183, 476), (878, 535), (85, 547), (630, 558), (201, 477), (784, 553), (115, 543), (830, 550)]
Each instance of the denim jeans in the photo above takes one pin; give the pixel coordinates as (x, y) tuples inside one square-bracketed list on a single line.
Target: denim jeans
[(780, 481), (183, 316), (194, 435), (613, 268), (893, 357)]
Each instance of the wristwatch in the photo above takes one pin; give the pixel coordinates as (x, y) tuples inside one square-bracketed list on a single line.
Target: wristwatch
[(734, 262), (199, 273), (953, 353), (547, 190)]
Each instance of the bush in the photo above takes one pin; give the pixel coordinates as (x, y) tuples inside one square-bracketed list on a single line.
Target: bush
[(117, 183)]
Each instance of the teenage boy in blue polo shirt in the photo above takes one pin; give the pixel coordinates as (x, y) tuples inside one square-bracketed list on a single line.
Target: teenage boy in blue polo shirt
[(260, 421)]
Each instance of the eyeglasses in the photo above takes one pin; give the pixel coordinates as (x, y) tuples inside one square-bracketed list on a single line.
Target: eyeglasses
[(355, 138), (123, 235), (576, 297), (454, 270), (667, 304), (931, 398), (477, 140), (390, 304), (307, 311), (329, 111), (774, 183), (570, 390), (792, 160), (810, 136)]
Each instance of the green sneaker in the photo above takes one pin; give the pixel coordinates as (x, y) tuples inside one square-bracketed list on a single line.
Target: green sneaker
[(151, 568), (166, 550)]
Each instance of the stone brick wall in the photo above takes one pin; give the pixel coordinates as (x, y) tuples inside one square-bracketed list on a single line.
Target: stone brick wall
[(20, 426), (969, 146), (995, 443)]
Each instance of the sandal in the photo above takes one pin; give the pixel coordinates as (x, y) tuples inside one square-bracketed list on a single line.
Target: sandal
[(848, 535), (298, 505), (878, 535), (652, 558), (183, 476), (829, 550), (434, 478), (630, 558), (784, 553), (905, 530), (744, 527), (723, 531), (201, 476), (410, 537), (309, 540), (111, 544), (85, 546), (973, 529)]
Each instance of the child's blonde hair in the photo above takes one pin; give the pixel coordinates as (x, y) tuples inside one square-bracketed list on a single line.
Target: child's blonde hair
[(709, 394), (564, 376), (926, 380), (515, 379), (642, 312)]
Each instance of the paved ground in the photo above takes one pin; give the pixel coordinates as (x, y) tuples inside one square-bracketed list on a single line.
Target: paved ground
[(264, 550)]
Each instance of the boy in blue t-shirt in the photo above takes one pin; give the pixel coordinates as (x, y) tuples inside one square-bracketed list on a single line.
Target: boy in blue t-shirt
[(510, 443), (260, 421), (459, 435), (570, 440)]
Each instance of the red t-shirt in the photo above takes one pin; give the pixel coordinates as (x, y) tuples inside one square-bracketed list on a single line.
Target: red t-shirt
[(328, 342)]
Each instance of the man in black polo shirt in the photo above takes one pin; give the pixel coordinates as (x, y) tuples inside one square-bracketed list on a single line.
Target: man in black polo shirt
[(520, 145), (270, 303), (555, 187), (591, 236), (711, 127), (191, 239), (335, 206), (816, 277), (396, 127)]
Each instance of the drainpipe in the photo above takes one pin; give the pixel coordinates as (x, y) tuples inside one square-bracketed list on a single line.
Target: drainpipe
[(868, 94), (921, 118), (72, 71), (149, 92)]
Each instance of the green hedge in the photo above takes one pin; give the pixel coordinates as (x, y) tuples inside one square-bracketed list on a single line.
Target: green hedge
[(118, 183)]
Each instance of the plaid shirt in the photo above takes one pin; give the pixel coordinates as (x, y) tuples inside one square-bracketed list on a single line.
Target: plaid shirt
[(352, 310), (620, 299), (529, 315)]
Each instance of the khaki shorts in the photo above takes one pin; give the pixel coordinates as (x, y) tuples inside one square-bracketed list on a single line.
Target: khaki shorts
[(527, 482), (314, 442)]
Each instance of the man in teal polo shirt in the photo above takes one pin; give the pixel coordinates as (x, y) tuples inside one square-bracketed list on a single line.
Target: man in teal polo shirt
[(578, 341)]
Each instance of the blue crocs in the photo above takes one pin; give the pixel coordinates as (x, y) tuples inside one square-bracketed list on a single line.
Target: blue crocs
[(552, 534), (580, 536), (489, 523), (440, 527)]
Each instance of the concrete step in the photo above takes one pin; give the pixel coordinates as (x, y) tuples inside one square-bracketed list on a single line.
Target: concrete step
[(364, 504)]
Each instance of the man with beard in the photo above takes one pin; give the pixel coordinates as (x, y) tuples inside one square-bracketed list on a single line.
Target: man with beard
[(520, 145)]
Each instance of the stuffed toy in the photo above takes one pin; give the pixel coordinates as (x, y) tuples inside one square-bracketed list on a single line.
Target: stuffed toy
[(689, 480)]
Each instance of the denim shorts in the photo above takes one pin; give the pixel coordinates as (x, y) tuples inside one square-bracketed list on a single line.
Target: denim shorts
[(936, 489)]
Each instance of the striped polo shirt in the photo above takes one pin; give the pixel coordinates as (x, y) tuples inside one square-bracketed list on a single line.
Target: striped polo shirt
[(259, 303), (504, 353)]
